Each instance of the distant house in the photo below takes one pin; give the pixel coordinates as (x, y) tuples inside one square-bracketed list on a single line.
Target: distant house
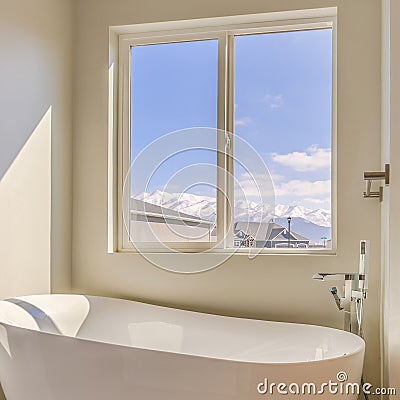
[(242, 239), (267, 234)]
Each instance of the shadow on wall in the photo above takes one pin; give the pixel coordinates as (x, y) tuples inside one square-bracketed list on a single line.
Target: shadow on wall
[(12, 145), (27, 77)]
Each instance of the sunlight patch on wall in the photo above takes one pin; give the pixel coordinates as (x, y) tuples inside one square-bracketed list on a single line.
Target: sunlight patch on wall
[(25, 211)]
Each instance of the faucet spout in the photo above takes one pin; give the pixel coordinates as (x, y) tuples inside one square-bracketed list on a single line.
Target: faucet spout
[(336, 276)]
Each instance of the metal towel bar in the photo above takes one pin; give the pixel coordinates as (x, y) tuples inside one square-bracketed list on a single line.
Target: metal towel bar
[(376, 176)]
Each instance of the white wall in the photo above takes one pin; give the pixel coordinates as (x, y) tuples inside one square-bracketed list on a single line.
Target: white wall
[(35, 146), (270, 287)]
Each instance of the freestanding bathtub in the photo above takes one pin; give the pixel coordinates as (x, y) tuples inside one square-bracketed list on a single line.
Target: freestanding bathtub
[(74, 347)]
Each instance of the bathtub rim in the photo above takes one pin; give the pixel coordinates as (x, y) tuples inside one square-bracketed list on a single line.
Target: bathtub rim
[(360, 348)]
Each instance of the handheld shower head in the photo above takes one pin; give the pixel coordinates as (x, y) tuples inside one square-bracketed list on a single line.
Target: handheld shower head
[(364, 264)]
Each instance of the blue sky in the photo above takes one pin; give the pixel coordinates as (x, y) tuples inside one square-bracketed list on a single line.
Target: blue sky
[(282, 105)]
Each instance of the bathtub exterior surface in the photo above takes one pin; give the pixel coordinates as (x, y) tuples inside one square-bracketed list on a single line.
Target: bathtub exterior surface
[(72, 347)]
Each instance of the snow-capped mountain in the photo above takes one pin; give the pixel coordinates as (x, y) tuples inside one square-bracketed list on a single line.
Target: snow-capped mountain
[(205, 207), (199, 206), (319, 217)]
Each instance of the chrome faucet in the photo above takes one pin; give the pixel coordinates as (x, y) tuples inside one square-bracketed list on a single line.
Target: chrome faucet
[(355, 285)]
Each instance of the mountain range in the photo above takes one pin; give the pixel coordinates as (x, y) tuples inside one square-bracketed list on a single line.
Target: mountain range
[(313, 224)]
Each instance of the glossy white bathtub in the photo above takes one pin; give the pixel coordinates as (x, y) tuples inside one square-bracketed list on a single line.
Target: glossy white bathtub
[(73, 347)]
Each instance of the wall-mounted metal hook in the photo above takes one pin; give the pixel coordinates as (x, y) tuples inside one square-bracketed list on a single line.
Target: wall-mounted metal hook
[(376, 176)]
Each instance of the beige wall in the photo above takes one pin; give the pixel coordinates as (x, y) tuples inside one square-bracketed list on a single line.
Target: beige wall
[(391, 212), (394, 274), (35, 146), (269, 287)]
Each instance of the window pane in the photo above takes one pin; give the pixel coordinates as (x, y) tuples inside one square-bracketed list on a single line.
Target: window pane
[(283, 107), (173, 185)]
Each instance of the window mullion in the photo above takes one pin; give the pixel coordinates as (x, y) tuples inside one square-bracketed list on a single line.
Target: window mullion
[(230, 110), (225, 182), (222, 126)]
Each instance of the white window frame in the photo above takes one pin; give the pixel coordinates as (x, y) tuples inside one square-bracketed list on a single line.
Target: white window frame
[(224, 30)]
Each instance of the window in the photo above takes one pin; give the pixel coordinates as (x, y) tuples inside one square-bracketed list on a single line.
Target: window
[(226, 137), (173, 87), (283, 107)]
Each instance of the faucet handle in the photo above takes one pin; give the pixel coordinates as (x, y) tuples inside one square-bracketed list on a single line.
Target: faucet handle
[(334, 292)]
